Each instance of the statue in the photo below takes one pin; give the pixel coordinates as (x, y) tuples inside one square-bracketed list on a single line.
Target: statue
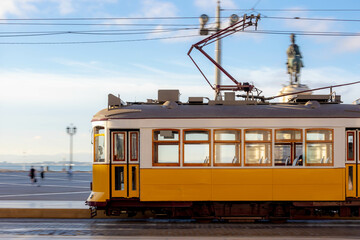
[(294, 63)]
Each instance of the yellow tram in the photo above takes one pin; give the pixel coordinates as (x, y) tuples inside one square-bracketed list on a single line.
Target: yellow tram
[(227, 158)]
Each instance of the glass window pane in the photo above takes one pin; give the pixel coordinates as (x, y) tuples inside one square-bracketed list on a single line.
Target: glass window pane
[(166, 153), (227, 153), (288, 135), (257, 153), (119, 146), (133, 179), (350, 146), (99, 148), (134, 146), (196, 136), (319, 153), (227, 135), (258, 135), (282, 155), (99, 130), (166, 135), (119, 178), (319, 135), (196, 153)]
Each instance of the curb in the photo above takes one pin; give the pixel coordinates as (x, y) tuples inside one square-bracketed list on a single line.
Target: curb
[(47, 213)]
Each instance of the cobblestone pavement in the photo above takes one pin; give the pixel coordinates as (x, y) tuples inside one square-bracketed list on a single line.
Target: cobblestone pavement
[(152, 229)]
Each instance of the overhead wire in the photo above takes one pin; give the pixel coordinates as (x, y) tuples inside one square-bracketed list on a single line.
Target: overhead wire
[(293, 10), (94, 42), (93, 32)]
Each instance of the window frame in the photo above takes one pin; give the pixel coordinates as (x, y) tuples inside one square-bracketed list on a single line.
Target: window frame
[(319, 141), (164, 142), (347, 146), (113, 147), (258, 141), (98, 128), (291, 142), (137, 146), (196, 142), (227, 142), (286, 140)]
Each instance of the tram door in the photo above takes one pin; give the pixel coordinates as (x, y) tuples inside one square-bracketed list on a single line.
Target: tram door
[(352, 163), (125, 163)]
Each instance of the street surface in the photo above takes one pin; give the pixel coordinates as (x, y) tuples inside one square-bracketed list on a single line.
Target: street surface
[(16, 191), (56, 186), (165, 229)]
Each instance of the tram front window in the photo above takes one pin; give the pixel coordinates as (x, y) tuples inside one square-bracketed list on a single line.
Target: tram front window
[(99, 145)]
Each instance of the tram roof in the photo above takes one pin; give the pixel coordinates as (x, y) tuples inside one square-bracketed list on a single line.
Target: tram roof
[(153, 111)]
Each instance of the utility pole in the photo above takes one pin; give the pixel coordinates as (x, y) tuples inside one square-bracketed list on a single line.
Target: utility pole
[(218, 52), (71, 130), (205, 31)]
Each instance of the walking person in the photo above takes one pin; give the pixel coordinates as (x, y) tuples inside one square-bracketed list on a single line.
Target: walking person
[(42, 174), (32, 175)]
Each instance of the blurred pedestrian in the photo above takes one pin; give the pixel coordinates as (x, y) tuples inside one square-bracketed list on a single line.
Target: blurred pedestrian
[(70, 172), (42, 173), (32, 175)]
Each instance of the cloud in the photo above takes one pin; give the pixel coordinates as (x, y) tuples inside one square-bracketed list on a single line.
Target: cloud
[(155, 8), (349, 44), (17, 7)]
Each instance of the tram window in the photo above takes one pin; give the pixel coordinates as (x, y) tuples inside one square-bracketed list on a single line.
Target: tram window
[(350, 146), (258, 147), (166, 147), (351, 178), (282, 154), (119, 178), (134, 146), (288, 135), (227, 147), (288, 147), (319, 135), (99, 144), (119, 146), (319, 147), (197, 147)]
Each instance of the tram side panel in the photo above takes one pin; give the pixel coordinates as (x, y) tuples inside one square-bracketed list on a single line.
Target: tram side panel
[(241, 184)]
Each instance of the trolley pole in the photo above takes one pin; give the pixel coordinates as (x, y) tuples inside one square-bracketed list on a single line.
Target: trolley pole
[(217, 53), (71, 130), (205, 31)]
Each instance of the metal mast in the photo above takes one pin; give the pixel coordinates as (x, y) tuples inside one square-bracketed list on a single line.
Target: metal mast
[(218, 52)]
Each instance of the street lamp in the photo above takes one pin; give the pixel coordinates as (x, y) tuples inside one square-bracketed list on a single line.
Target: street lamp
[(71, 130)]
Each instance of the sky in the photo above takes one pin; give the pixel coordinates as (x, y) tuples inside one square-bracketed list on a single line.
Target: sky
[(60, 58)]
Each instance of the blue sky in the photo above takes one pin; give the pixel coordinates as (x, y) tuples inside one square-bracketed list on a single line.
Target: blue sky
[(45, 87)]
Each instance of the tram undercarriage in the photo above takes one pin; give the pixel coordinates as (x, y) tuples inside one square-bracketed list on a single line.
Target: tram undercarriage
[(274, 211)]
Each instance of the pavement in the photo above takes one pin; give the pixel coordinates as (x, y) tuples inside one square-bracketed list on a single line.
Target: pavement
[(55, 196)]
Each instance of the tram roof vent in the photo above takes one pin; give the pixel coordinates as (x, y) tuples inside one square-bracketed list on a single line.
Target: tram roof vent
[(196, 100), (168, 95), (114, 102)]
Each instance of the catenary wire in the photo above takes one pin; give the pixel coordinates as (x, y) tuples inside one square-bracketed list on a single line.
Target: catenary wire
[(95, 42), (103, 32), (293, 10)]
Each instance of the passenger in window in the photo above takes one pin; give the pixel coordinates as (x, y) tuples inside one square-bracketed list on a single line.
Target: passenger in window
[(298, 161)]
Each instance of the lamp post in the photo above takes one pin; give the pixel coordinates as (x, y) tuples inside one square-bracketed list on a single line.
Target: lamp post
[(71, 130)]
